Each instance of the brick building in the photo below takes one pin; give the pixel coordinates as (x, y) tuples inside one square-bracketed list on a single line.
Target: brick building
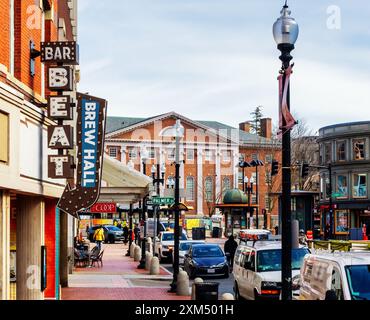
[(28, 216), (211, 151)]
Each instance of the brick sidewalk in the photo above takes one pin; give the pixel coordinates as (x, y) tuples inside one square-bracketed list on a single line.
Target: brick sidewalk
[(118, 279)]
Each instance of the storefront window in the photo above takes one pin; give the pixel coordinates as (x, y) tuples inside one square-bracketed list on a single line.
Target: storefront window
[(359, 185), (342, 186), (341, 221), (359, 149)]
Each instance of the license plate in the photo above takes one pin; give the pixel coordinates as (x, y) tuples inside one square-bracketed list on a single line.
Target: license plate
[(211, 270)]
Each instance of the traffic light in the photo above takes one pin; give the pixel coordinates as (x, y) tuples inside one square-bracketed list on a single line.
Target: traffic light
[(274, 168), (305, 170)]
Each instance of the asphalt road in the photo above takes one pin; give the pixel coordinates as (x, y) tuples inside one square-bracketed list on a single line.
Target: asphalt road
[(225, 285)]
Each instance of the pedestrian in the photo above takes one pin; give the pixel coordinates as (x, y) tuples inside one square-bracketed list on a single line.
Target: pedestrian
[(302, 237), (137, 233), (99, 236), (230, 248), (125, 232), (364, 233), (276, 230), (327, 231)]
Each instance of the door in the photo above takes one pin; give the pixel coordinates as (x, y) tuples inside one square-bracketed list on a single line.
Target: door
[(336, 283), (250, 272)]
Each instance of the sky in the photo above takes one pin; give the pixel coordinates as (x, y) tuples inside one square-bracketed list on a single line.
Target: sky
[(217, 59)]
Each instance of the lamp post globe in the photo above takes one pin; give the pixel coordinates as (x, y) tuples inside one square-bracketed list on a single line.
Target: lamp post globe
[(285, 31)]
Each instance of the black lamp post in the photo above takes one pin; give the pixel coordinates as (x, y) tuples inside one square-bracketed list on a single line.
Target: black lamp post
[(257, 163), (243, 164), (130, 214), (177, 132), (285, 32), (248, 187), (144, 157)]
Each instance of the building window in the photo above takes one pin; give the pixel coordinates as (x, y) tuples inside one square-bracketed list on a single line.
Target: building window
[(4, 137), (171, 154), (327, 150), (209, 189), (254, 156), (113, 152), (190, 189), (268, 158), (358, 149), (241, 157), (359, 185), (152, 153), (226, 185), (341, 151), (342, 186), (190, 154), (226, 156), (208, 155), (132, 153)]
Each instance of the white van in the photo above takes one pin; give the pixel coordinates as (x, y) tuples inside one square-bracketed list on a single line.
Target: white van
[(257, 269), (336, 276)]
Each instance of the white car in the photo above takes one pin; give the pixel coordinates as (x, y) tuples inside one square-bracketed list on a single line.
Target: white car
[(257, 270), (335, 276), (164, 245), (184, 249)]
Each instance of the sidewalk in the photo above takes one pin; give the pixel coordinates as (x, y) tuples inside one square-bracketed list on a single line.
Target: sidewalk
[(118, 279)]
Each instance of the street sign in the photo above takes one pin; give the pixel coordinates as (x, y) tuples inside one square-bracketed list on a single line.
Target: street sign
[(90, 142), (163, 201)]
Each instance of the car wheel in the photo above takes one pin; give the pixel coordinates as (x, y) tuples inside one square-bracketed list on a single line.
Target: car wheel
[(236, 292)]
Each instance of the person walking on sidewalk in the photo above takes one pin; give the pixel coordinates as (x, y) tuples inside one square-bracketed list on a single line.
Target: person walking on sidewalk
[(230, 248), (99, 236)]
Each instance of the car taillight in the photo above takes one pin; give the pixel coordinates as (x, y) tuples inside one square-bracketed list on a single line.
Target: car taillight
[(270, 292)]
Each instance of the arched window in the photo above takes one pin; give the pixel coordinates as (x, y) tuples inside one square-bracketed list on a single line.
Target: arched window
[(209, 189), (226, 185), (189, 188)]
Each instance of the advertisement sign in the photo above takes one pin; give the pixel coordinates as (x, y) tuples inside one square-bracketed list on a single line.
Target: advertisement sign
[(104, 207), (90, 150), (60, 79), (65, 52)]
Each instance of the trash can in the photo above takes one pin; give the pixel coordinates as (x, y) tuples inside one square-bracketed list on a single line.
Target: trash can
[(206, 291), (198, 233), (216, 232)]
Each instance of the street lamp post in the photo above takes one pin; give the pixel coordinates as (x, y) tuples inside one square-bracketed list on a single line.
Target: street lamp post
[(249, 189), (257, 163), (144, 157), (177, 132), (285, 31), (130, 214), (157, 181), (243, 164)]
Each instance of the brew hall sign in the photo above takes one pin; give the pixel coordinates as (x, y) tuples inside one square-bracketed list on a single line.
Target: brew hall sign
[(90, 130)]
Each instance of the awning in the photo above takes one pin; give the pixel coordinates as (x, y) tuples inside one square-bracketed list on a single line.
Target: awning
[(123, 184), (233, 205)]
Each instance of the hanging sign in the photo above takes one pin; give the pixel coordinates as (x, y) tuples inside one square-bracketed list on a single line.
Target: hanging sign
[(60, 167), (60, 79), (65, 52), (60, 137), (59, 108), (90, 150)]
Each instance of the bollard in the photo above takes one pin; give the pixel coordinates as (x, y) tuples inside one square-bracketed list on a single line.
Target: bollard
[(148, 260), (197, 280), (182, 288), (154, 266), (137, 253), (132, 250), (149, 243), (227, 296)]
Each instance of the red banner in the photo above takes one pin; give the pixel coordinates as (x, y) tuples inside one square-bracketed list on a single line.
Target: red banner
[(103, 207)]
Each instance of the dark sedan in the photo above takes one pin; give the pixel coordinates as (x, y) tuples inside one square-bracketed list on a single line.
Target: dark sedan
[(111, 234), (206, 260)]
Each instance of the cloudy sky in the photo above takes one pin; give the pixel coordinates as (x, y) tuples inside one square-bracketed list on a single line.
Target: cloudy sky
[(217, 60)]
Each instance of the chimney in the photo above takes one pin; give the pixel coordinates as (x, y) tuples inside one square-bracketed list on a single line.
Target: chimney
[(245, 126), (266, 128)]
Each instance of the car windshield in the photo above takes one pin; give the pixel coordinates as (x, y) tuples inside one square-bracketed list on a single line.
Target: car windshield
[(359, 281), (170, 237), (270, 260), (207, 251), (185, 246), (113, 228), (169, 225)]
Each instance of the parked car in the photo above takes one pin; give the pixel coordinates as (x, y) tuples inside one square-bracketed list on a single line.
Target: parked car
[(257, 269), (206, 260), (111, 234), (339, 276), (184, 249), (165, 244)]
